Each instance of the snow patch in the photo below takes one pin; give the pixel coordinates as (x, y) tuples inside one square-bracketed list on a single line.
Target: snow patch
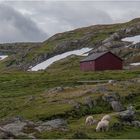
[(134, 39), (3, 57), (48, 62), (135, 64)]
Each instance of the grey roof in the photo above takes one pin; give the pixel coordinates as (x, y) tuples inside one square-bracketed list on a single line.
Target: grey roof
[(93, 56)]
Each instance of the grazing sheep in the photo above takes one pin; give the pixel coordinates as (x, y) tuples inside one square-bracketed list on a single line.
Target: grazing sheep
[(106, 117), (89, 120), (102, 126)]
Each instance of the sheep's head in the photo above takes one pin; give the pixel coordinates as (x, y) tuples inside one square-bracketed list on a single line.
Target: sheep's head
[(97, 129)]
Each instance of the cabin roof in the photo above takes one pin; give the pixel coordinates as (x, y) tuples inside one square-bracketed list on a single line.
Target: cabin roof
[(95, 56)]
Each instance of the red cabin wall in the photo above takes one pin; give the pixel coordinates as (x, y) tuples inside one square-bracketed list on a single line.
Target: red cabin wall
[(105, 62), (108, 62), (87, 66)]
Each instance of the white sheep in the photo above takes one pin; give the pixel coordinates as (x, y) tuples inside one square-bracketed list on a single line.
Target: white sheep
[(90, 121), (106, 117), (102, 126)]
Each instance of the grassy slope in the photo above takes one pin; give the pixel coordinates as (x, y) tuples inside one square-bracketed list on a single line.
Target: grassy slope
[(100, 32), (97, 33), (16, 89)]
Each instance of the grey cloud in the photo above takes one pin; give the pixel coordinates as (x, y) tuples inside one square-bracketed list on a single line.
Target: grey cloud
[(58, 16), (62, 16), (76, 13), (15, 27)]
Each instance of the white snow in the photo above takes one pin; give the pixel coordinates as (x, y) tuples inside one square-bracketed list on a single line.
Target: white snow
[(134, 39), (3, 57), (135, 64), (48, 62)]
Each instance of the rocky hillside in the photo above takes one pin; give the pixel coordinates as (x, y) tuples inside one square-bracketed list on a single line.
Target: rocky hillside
[(47, 105), (98, 37)]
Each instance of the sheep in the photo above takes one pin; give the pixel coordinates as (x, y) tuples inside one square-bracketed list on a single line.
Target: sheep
[(106, 117), (102, 126), (90, 121)]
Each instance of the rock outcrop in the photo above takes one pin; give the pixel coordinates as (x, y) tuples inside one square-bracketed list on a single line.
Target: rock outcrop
[(59, 124)]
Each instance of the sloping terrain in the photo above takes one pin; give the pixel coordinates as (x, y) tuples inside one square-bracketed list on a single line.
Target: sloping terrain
[(54, 103), (98, 37), (30, 100)]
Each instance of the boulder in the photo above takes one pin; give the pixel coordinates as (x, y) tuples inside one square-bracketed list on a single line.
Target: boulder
[(111, 81), (90, 102), (101, 89), (109, 97), (117, 106), (56, 90), (5, 134), (76, 105), (117, 126), (113, 37), (90, 91), (136, 124), (52, 125), (127, 116), (15, 127)]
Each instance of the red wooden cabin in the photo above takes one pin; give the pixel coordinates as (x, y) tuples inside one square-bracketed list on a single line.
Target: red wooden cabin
[(101, 61)]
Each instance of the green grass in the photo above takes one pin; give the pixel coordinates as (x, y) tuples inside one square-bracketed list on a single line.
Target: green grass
[(16, 88)]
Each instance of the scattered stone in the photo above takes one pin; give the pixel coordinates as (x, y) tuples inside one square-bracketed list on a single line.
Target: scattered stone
[(117, 106), (90, 91), (111, 81), (15, 127), (127, 116), (90, 102), (117, 126), (131, 108), (31, 98), (127, 123), (80, 135), (5, 134), (76, 105), (109, 97), (102, 89), (136, 124), (52, 125), (56, 90)]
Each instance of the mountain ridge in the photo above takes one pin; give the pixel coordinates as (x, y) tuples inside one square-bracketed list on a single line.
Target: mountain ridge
[(98, 37)]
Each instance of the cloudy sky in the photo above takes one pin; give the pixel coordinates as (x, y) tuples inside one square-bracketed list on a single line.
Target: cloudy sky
[(37, 20)]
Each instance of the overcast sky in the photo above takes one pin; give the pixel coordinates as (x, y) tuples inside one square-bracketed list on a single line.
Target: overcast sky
[(38, 20)]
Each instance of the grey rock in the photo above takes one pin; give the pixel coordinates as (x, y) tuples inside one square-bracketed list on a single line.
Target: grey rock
[(5, 134), (111, 81), (56, 90), (136, 124), (135, 46), (52, 125), (113, 37), (109, 97), (117, 106), (127, 116), (31, 98), (90, 91), (131, 108), (15, 127), (76, 105), (90, 102), (117, 126), (102, 89)]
